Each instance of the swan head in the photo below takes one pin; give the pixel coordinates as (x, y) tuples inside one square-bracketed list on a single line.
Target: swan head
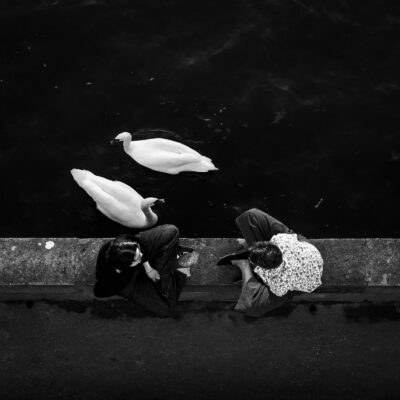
[(123, 136), (150, 202)]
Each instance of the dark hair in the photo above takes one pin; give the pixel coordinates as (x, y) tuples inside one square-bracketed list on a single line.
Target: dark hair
[(122, 251), (265, 255)]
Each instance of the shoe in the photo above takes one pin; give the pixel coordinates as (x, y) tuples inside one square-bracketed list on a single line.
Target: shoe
[(187, 260), (240, 255), (183, 250)]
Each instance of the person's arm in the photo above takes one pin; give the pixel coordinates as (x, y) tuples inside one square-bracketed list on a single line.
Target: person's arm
[(151, 272), (157, 240)]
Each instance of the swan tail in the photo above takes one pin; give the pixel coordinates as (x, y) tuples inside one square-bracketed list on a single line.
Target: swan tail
[(80, 175), (102, 198), (202, 166), (207, 163), (83, 178)]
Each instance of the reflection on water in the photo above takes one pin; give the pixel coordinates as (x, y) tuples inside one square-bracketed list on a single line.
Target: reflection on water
[(297, 104)]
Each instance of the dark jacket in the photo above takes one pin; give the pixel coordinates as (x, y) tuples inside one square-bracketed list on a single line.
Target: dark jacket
[(152, 242)]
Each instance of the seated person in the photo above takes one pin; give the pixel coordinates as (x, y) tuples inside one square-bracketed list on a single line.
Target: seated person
[(142, 269), (277, 261)]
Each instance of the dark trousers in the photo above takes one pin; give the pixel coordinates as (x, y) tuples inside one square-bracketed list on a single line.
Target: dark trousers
[(160, 297), (256, 225)]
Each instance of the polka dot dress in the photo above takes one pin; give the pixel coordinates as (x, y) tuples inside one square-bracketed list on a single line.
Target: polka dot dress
[(301, 268)]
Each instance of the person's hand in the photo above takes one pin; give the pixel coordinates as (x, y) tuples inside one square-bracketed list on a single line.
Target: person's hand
[(153, 275), (242, 264), (242, 242)]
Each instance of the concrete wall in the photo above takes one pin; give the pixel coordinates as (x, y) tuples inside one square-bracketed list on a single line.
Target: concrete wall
[(71, 261)]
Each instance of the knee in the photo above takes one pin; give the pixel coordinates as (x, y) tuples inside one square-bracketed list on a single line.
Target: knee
[(254, 213), (250, 215), (172, 231)]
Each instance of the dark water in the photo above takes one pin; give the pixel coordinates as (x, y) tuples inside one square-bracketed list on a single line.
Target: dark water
[(297, 102)]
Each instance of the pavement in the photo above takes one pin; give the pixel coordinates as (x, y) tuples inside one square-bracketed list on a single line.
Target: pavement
[(110, 350), (58, 342)]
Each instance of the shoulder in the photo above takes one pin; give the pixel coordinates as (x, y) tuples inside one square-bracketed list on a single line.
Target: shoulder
[(102, 262), (101, 256), (284, 239)]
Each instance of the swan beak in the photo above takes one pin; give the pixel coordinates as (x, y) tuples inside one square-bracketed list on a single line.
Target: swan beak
[(159, 201), (113, 141)]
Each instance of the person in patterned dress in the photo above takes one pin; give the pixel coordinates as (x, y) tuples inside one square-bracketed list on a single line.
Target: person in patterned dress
[(277, 262)]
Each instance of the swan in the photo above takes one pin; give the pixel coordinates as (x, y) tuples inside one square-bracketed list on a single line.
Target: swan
[(165, 155), (118, 201)]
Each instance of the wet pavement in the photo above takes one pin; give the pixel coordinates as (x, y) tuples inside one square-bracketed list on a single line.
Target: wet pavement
[(108, 350)]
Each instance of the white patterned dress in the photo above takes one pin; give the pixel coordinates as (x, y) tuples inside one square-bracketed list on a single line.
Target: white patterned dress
[(301, 268)]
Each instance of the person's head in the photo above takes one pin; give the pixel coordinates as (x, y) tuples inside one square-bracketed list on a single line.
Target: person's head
[(124, 253), (265, 255)]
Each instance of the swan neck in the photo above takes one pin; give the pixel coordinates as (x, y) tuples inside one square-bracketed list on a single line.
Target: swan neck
[(151, 217), (126, 143)]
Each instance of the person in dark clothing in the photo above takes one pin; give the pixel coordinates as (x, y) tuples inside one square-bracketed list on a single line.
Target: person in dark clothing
[(142, 269)]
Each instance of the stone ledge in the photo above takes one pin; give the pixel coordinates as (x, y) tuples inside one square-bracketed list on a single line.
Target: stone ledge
[(71, 261), (205, 294)]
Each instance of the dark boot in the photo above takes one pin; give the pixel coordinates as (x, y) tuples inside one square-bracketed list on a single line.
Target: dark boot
[(240, 255)]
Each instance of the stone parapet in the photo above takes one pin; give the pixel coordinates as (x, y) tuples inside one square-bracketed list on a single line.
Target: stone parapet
[(71, 261)]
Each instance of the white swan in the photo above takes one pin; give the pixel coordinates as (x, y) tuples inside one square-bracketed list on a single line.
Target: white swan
[(165, 155), (118, 201)]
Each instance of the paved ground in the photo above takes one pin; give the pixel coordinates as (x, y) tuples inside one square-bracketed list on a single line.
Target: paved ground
[(106, 351)]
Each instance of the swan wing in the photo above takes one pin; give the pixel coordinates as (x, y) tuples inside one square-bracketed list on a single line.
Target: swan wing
[(160, 144), (125, 212), (119, 190), (204, 165), (107, 203), (165, 162), (168, 156), (115, 199), (127, 194)]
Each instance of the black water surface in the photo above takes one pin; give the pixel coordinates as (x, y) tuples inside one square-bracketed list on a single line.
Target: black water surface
[(297, 102)]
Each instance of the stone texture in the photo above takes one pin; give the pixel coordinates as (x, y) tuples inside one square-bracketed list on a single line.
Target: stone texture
[(360, 262), (28, 261), (210, 250), (383, 267), (88, 250), (345, 261), (71, 261)]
